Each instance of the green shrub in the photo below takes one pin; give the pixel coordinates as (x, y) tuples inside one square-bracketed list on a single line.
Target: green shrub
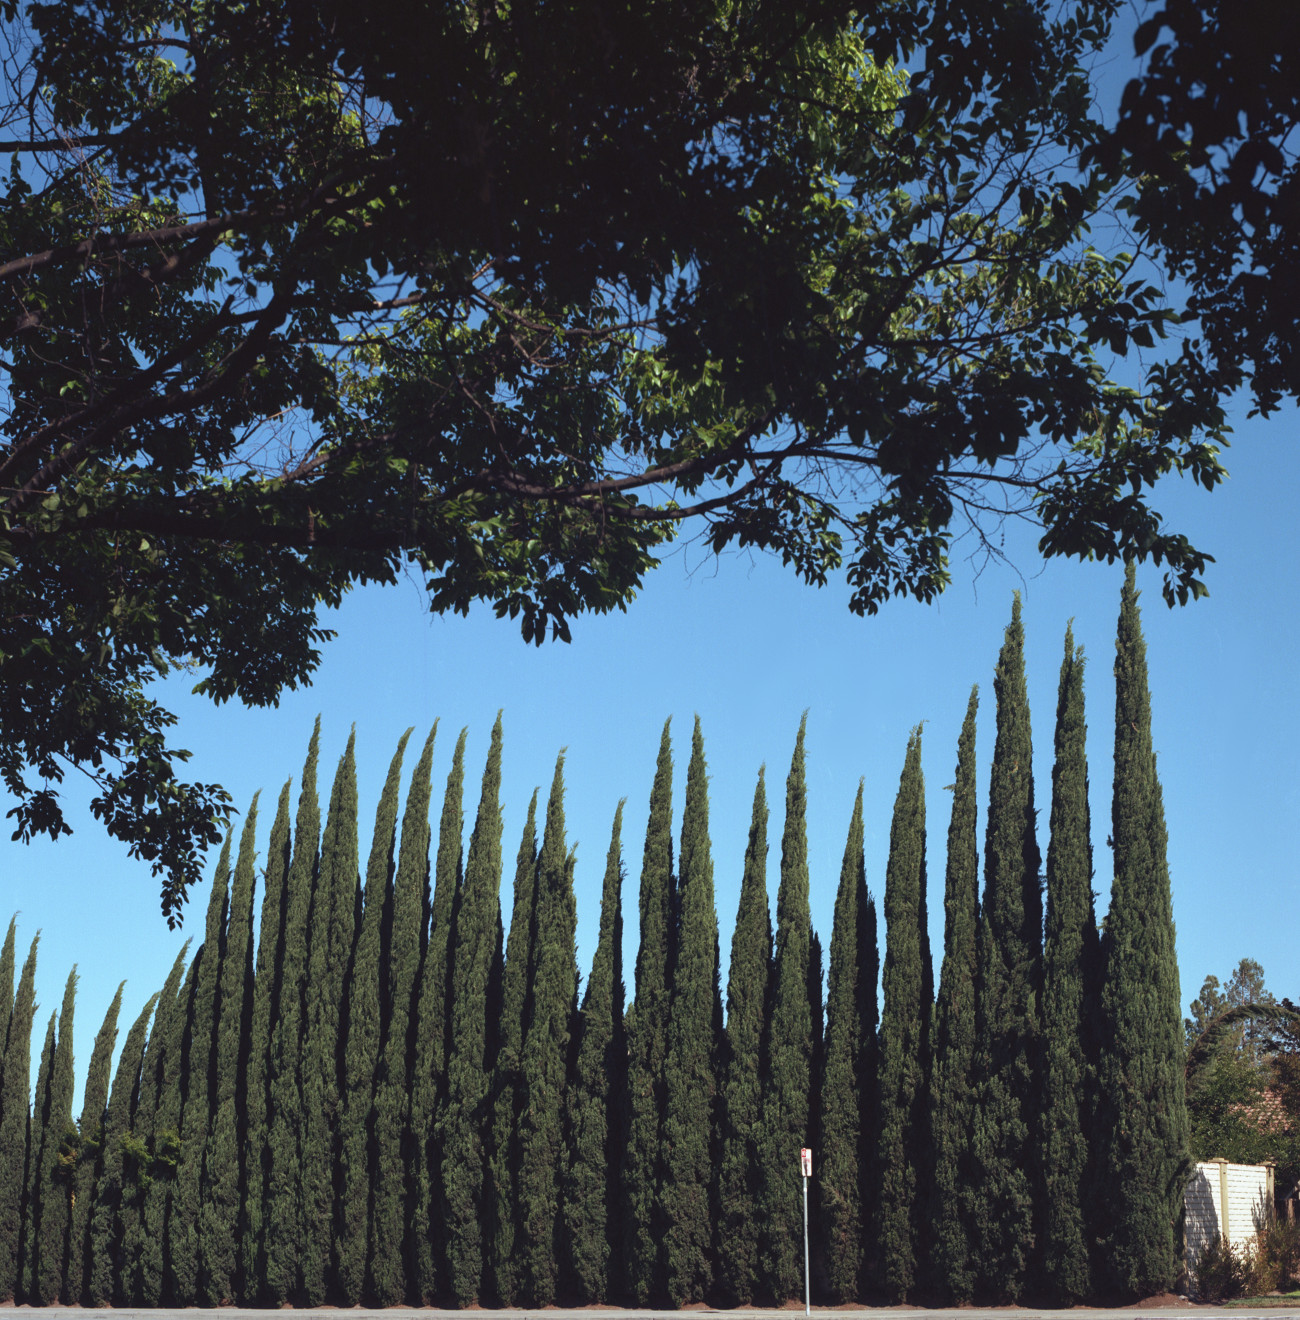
[(1269, 1264)]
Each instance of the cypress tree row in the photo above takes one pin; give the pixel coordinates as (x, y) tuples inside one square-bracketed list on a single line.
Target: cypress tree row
[(104, 1284), (257, 1097), (647, 1041), (688, 1195), (196, 1114), (545, 1059), (500, 1192), (790, 1051), (747, 988), (52, 1208), (331, 933), (1071, 976), (364, 1028), (596, 1095), (471, 1044), (904, 1037), (284, 1187), (1007, 1048), (15, 1088), (8, 957), (225, 1160), (1143, 1127), (426, 1212), (952, 1093), (391, 1184), (90, 1155), (845, 1078)]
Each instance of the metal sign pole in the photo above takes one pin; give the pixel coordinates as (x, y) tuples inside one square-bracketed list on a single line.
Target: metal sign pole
[(805, 1165)]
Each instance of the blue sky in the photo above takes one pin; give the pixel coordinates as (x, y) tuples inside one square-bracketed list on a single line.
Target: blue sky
[(747, 647)]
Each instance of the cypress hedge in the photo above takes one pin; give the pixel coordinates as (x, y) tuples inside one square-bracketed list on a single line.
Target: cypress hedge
[(15, 1089)]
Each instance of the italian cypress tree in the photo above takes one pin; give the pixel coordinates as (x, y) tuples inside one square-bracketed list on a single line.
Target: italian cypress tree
[(840, 1175), (426, 1212), (596, 1094), (545, 1059), (331, 934), (224, 1158), (690, 1076), (391, 1183), (153, 1145), (790, 1049), (15, 1090), (153, 1272), (265, 1012), (90, 1154), (58, 1141), (904, 1036), (196, 1115), (647, 1040), (284, 1186), (1009, 953), (952, 1085), (747, 982), (103, 1287), (1142, 1125), (1071, 977), (364, 1026), (465, 1112), (507, 1080), (29, 1248), (8, 959)]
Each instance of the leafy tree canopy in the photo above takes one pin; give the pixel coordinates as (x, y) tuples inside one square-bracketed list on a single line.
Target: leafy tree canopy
[(304, 295)]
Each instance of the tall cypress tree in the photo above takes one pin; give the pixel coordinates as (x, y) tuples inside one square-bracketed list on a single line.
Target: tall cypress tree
[(1071, 984), (331, 934), (904, 1036), (90, 1154), (15, 1091), (426, 1212), (503, 1159), (844, 1081), (790, 1049), (196, 1116), (690, 1069), (1007, 1042), (391, 1183), (8, 959), (265, 1012), (471, 1042), (596, 1095), (58, 1135), (284, 1187), (32, 1198), (364, 1027), (225, 1158), (747, 982), (952, 1086), (104, 1283), (1142, 1125), (647, 1041), (545, 1059)]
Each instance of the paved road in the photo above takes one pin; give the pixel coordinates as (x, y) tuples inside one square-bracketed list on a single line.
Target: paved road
[(1189, 1310)]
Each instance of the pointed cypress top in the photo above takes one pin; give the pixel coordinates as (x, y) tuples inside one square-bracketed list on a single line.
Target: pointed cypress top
[(7, 960)]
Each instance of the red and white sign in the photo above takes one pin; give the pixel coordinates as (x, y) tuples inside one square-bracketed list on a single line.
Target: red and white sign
[(805, 1161)]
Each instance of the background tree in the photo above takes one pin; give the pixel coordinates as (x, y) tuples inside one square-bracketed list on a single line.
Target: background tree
[(598, 1094), (789, 1049), (1143, 1117), (952, 1086), (742, 1088), (689, 1192), (904, 1037), (1007, 1034), (917, 341)]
